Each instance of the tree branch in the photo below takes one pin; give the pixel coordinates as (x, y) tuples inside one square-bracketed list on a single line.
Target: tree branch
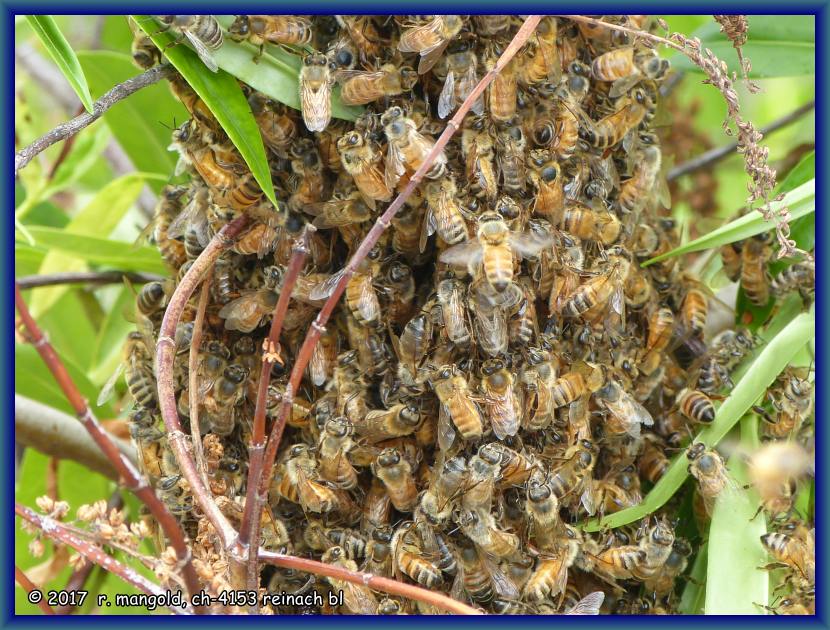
[(58, 532), (383, 222), (70, 128), (22, 579), (193, 379), (126, 469), (393, 587), (56, 434), (86, 277), (712, 156), (165, 357)]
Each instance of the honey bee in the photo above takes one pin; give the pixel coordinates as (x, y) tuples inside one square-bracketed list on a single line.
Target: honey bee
[(377, 507), (480, 577), (396, 474), (358, 599), (316, 81), (457, 407), (662, 582), (495, 249), (617, 562), (596, 293), (694, 310), (437, 502), (774, 471), (538, 377), (406, 232), (791, 397), (800, 276), (461, 79), (362, 162), (551, 574), (450, 296), (726, 350), (755, 279), (148, 440), (407, 148), (625, 415), (412, 346), (543, 509), (626, 66), (731, 255), (510, 157), (389, 606), (364, 34), (201, 31), (501, 405), (410, 558), (660, 329), (275, 29), (587, 224), (144, 52), (359, 87), (572, 475), (483, 469), (227, 393), (583, 379), (212, 363), (384, 424), (298, 481), (137, 367), (335, 443), (541, 63), (246, 312), (502, 94), (545, 176), (444, 214), (323, 359), (379, 552), (563, 134), (430, 39), (477, 146), (361, 296), (608, 131), (340, 211), (696, 406), (707, 466), (277, 128), (653, 462), (636, 190), (793, 553), (174, 492), (480, 527)]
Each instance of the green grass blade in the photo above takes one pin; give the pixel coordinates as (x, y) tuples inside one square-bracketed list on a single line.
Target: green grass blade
[(63, 55), (691, 601), (766, 363), (734, 583), (223, 96), (801, 201)]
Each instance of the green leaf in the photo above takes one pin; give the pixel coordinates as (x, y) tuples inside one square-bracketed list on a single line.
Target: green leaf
[(69, 327), (138, 123), (691, 602), (222, 94), (107, 352), (85, 152), (62, 54), (115, 254), (735, 585), (801, 202), (766, 363), (277, 74), (800, 174), (99, 217)]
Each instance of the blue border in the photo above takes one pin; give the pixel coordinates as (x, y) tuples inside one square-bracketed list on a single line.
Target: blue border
[(7, 12)]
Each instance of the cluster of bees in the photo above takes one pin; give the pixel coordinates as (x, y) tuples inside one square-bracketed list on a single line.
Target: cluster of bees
[(501, 368)]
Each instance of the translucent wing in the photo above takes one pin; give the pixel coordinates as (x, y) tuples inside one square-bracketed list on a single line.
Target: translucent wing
[(244, 313), (203, 51), (316, 105), (414, 39), (446, 101), (588, 605), (464, 254), (109, 387), (505, 587), (527, 244), (446, 430), (624, 84), (427, 229), (467, 84), (431, 55), (368, 304), (395, 168), (323, 290)]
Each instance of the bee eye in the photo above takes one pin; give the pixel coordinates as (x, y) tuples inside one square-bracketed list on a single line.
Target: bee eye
[(549, 173), (344, 58)]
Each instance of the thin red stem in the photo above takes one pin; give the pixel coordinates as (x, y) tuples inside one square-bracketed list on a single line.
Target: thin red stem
[(128, 473), (30, 586)]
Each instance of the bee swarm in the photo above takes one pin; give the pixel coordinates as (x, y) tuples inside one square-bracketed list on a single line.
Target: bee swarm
[(500, 367)]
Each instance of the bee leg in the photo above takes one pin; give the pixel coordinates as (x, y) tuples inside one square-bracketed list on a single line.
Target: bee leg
[(760, 507), (772, 566), (260, 52)]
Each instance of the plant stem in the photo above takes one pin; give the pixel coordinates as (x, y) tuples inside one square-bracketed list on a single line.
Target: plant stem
[(383, 222), (58, 532), (393, 587), (249, 528), (86, 277), (126, 469), (165, 357), (30, 586), (193, 380)]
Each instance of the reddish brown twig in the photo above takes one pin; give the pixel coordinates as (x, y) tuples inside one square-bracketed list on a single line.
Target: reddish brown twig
[(193, 380), (249, 528), (383, 222), (165, 356), (128, 473), (393, 587), (30, 586), (58, 532)]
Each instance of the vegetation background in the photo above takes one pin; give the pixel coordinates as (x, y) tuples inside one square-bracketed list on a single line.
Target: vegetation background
[(82, 204)]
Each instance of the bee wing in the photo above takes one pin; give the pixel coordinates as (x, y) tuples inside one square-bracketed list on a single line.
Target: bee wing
[(359, 599), (178, 226), (368, 304), (109, 387), (467, 84), (457, 589), (395, 167), (588, 605), (446, 101), (428, 227), (464, 254), (446, 430), (412, 38), (587, 497), (239, 312), (431, 55), (316, 105), (503, 417), (203, 51), (527, 245), (624, 84), (324, 289), (505, 587), (317, 366)]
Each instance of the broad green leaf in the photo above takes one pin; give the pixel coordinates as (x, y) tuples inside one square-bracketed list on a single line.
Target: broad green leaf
[(27, 260), (87, 149), (735, 585), (222, 94), (767, 362), (110, 339), (801, 202), (276, 74), (115, 254), (62, 54), (70, 327), (98, 218), (139, 122), (33, 379), (691, 601), (800, 174)]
